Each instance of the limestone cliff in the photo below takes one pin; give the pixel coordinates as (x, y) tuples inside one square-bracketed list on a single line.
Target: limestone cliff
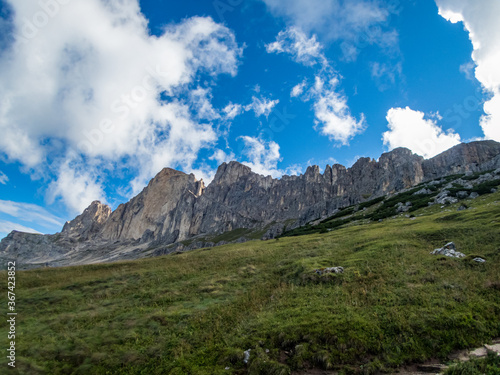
[(176, 211), (89, 224), (164, 209)]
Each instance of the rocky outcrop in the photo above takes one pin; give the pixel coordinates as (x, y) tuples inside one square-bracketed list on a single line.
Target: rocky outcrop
[(89, 224), (448, 250), (176, 212), (162, 211), (465, 157)]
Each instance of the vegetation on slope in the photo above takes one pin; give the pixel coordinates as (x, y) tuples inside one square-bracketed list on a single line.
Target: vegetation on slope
[(385, 207), (197, 312)]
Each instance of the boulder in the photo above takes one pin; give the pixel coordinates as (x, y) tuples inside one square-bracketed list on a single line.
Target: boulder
[(448, 250), (444, 198), (324, 271)]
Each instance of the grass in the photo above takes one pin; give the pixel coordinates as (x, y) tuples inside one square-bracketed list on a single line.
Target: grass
[(197, 312), (483, 366)]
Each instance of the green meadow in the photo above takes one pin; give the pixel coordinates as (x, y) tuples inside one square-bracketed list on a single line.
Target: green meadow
[(197, 312)]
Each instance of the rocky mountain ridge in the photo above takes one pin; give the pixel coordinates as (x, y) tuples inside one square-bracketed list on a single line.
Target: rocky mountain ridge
[(177, 212)]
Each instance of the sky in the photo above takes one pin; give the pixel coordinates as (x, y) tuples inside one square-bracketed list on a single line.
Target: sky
[(97, 96)]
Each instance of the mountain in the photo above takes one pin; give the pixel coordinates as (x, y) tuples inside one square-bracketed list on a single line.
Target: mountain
[(177, 212)]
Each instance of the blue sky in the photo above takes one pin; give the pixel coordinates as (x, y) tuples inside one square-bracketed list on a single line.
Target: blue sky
[(96, 97)]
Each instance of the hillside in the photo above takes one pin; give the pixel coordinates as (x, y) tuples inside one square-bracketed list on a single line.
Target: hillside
[(197, 312)]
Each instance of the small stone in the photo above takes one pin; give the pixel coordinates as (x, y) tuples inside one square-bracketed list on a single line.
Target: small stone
[(479, 260), (323, 271), (247, 356)]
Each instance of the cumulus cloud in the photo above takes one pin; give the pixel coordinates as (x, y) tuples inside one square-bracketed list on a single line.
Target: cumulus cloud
[(354, 22), (410, 129), (99, 87), (261, 106), (333, 116), (262, 157), (294, 41), (480, 19), (3, 178)]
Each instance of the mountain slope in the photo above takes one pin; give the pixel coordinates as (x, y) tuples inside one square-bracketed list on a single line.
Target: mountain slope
[(176, 212), (197, 312)]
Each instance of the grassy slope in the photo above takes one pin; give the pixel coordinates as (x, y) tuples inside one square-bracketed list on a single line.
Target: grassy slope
[(196, 312)]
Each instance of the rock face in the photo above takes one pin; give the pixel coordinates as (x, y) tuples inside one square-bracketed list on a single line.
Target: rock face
[(162, 211), (89, 224), (176, 212), (466, 157)]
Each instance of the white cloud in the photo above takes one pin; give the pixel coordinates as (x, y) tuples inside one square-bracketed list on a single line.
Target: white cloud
[(3, 178), (222, 157), (30, 213), (262, 157), (307, 51), (333, 116), (232, 110), (76, 184), (91, 83), (409, 128), (385, 74), (298, 89), (468, 70), (261, 106), (8, 226), (355, 22), (201, 104), (480, 19), (294, 170)]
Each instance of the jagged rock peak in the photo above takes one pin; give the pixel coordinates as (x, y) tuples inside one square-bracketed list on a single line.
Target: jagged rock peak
[(312, 170), (167, 174), (164, 174), (89, 222), (231, 172), (399, 153)]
